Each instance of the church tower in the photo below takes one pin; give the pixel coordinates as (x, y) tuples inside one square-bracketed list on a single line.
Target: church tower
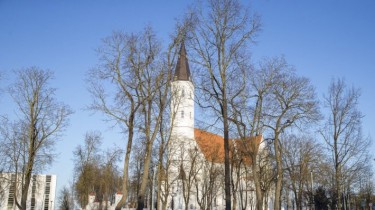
[(182, 106), (182, 121)]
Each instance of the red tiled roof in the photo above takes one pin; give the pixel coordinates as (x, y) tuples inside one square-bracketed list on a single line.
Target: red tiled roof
[(212, 146)]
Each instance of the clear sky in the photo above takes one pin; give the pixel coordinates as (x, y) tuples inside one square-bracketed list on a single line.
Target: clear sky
[(321, 38)]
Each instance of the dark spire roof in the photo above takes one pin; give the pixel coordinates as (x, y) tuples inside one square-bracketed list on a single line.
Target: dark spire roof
[(182, 68)]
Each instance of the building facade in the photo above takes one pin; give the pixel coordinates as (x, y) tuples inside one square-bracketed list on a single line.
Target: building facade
[(41, 195)]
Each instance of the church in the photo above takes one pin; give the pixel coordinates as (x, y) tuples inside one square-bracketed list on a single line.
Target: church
[(195, 168), (196, 171)]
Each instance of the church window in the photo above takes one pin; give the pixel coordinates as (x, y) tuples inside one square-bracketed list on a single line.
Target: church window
[(182, 114)]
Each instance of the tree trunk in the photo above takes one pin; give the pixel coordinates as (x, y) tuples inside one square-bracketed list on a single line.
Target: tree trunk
[(265, 200), (255, 130), (337, 172), (337, 187), (158, 195), (234, 204), (31, 157), (258, 190), (227, 179), (141, 195), (279, 172), (150, 139), (122, 202), (26, 184)]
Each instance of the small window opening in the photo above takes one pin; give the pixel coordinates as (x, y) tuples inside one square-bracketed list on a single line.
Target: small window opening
[(183, 93), (182, 114)]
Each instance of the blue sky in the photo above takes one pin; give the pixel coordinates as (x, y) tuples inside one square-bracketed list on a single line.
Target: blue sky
[(321, 38)]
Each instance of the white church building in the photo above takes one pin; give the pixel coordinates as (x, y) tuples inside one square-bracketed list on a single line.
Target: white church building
[(196, 173)]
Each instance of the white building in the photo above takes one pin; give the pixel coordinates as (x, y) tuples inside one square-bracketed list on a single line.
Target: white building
[(41, 195), (94, 205), (195, 154)]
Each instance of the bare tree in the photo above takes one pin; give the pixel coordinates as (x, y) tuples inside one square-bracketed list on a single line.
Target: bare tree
[(342, 134), (291, 102), (64, 199), (251, 114), (302, 156), (276, 98), (188, 173), (265, 169), (367, 188), (153, 91), (96, 171), (164, 160), (209, 182), (239, 174), (118, 69), (110, 177), (134, 65), (219, 41), (87, 170), (29, 142)]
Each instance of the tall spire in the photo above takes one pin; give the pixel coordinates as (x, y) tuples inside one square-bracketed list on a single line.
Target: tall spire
[(182, 68)]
